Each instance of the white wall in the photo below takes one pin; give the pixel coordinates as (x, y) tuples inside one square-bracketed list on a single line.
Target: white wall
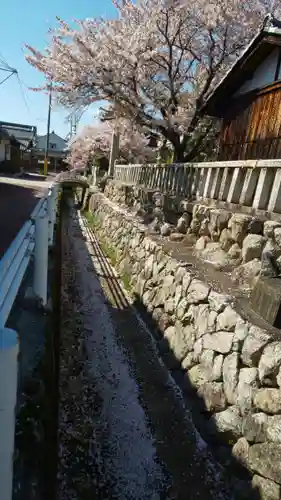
[(263, 75), (59, 142)]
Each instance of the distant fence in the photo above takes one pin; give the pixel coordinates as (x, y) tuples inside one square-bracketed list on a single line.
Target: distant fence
[(251, 183)]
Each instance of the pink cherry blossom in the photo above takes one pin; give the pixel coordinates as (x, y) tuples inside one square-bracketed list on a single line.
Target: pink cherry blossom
[(94, 142), (157, 61)]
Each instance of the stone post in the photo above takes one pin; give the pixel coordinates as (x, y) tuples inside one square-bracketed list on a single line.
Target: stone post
[(113, 153)]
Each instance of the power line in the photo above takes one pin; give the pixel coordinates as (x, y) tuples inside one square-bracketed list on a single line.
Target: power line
[(73, 119), (5, 79), (23, 94), (4, 66)]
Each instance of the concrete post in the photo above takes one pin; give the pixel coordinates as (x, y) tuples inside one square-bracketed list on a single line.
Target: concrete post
[(52, 209), (225, 183), (94, 176), (249, 186), (209, 182), (202, 182), (195, 181), (274, 204), (216, 183), (113, 153), (40, 278), (264, 187), (9, 349), (236, 185)]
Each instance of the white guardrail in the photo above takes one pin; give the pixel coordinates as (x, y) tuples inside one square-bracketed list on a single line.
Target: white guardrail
[(32, 242)]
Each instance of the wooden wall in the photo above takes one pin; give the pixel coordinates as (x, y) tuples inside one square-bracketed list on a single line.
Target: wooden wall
[(252, 126)]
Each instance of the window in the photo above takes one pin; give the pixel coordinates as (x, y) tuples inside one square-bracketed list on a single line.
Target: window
[(53, 145)]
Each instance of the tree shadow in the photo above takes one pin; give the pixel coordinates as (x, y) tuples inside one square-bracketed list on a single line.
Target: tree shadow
[(170, 409)]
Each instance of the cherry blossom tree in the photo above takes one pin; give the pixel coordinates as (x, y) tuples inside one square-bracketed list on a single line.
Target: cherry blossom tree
[(94, 142), (156, 62)]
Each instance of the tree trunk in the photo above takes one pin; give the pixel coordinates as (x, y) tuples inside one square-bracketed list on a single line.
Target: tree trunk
[(178, 154)]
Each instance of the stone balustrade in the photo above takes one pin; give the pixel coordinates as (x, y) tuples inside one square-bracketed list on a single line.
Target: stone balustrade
[(254, 184), (175, 179)]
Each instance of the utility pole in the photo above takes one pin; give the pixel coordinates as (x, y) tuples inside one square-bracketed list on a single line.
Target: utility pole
[(48, 132)]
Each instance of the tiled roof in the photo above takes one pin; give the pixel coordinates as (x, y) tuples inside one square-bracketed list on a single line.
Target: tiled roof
[(271, 26), (19, 131)]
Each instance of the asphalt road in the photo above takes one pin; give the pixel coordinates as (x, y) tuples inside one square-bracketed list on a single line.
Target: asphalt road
[(18, 197)]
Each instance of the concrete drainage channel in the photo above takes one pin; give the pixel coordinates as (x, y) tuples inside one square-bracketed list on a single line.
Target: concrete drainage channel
[(121, 413), (102, 418)]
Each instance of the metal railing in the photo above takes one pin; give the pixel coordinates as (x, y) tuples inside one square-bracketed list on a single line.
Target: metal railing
[(32, 242)]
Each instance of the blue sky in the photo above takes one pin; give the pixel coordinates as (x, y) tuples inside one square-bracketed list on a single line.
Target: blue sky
[(28, 22)]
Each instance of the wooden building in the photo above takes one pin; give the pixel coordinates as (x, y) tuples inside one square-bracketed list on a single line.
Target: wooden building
[(57, 151), (10, 153), (17, 154), (248, 99)]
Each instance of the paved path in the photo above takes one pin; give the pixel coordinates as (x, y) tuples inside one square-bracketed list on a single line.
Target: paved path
[(18, 197), (119, 409)]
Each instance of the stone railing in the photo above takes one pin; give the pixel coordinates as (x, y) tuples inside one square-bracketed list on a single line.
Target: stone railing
[(177, 179), (252, 183)]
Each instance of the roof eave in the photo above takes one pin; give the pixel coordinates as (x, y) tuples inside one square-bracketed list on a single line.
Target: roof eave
[(267, 29), (237, 65)]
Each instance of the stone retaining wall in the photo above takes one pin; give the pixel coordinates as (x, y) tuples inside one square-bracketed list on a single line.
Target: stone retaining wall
[(230, 369), (245, 243)]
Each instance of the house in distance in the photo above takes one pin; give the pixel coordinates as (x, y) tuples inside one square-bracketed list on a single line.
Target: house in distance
[(248, 99), (57, 150), (16, 143)]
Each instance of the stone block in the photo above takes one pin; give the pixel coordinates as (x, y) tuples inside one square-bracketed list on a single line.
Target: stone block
[(252, 247), (266, 298), (273, 429), (254, 345), (213, 396), (240, 451), (265, 459), (228, 319), (266, 489), (230, 376), (246, 388), (268, 400), (270, 361), (229, 422), (197, 292), (198, 375), (219, 341), (254, 427), (218, 301)]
